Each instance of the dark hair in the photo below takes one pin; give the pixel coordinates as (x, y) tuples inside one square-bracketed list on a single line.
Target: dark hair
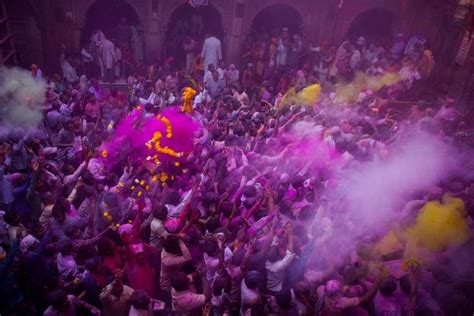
[(285, 207), (180, 281), (218, 286), (238, 257), (11, 218), (405, 284), (273, 254), (160, 212), (140, 299), (208, 199), (212, 225), (93, 264), (249, 203), (283, 299), (65, 247), (215, 133), (257, 309), (297, 181), (70, 230), (388, 286), (210, 247), (253, 279), (59, 209), (111, 198), (172, 197), (87, 178), (226, 209), (188, 268), (171, 245), (57, 298), (105, 247), (249, 191), (260, 213)]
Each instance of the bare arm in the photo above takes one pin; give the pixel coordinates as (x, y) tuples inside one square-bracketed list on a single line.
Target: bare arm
[(246, 260), (206, 288), (371, 293)]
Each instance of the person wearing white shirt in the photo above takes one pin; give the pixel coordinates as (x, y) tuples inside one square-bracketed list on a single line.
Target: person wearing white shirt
[(208, 75), (409, 74), (277, 263), (211, 51)]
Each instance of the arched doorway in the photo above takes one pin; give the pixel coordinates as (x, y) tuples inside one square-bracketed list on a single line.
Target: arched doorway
[(195, 22), (119, 21), (272, 19), (278, 23), (374, 24), (26, 33)]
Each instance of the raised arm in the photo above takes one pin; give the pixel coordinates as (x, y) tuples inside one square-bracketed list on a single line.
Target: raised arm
[(373, 290), (244, 265), (206, 287)]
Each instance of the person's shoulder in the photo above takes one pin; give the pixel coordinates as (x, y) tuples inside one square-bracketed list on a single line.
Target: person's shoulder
[(346, 302), (72, 299), (127, 290), (49, 312)]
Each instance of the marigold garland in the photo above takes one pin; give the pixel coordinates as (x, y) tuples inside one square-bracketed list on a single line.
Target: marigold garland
[(105, 153)]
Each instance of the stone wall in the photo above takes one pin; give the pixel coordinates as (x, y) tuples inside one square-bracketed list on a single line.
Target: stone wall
[(322, 20)]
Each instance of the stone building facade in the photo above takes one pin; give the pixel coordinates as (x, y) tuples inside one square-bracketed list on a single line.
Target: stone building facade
[(63, 21)]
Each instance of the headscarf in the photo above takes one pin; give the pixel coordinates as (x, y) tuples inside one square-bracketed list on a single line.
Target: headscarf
[(27, 242), (67, 266)]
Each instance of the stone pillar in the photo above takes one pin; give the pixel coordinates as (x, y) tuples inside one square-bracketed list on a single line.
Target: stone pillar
[(235, 35)]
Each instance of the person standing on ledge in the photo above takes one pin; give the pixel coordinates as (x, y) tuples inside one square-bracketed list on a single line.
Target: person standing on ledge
[(211, 51)]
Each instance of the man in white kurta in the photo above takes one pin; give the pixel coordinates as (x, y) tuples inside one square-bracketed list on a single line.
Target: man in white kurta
[(108, 58), (211, 51)]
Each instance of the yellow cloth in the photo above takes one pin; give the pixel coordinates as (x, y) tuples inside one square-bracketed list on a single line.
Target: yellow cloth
[(188, 95)]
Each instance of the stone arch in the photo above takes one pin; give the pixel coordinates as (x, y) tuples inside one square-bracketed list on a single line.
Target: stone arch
[(212, 17), (374, 24), (351, 10), (82, 7), (27, 29), (167, 11), (268, 18), (96, 17), (257, 7)]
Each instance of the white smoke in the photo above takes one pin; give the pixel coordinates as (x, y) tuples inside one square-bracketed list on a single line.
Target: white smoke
[(20, 95), (367, 199), (376, 191)]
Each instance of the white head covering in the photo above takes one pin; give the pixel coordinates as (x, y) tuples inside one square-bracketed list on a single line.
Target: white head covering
[(67, 266), (284, 178), (27, 242), (125, 228)]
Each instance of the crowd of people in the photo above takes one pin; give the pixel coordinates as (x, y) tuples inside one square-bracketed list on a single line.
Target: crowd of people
[(244, 227)]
